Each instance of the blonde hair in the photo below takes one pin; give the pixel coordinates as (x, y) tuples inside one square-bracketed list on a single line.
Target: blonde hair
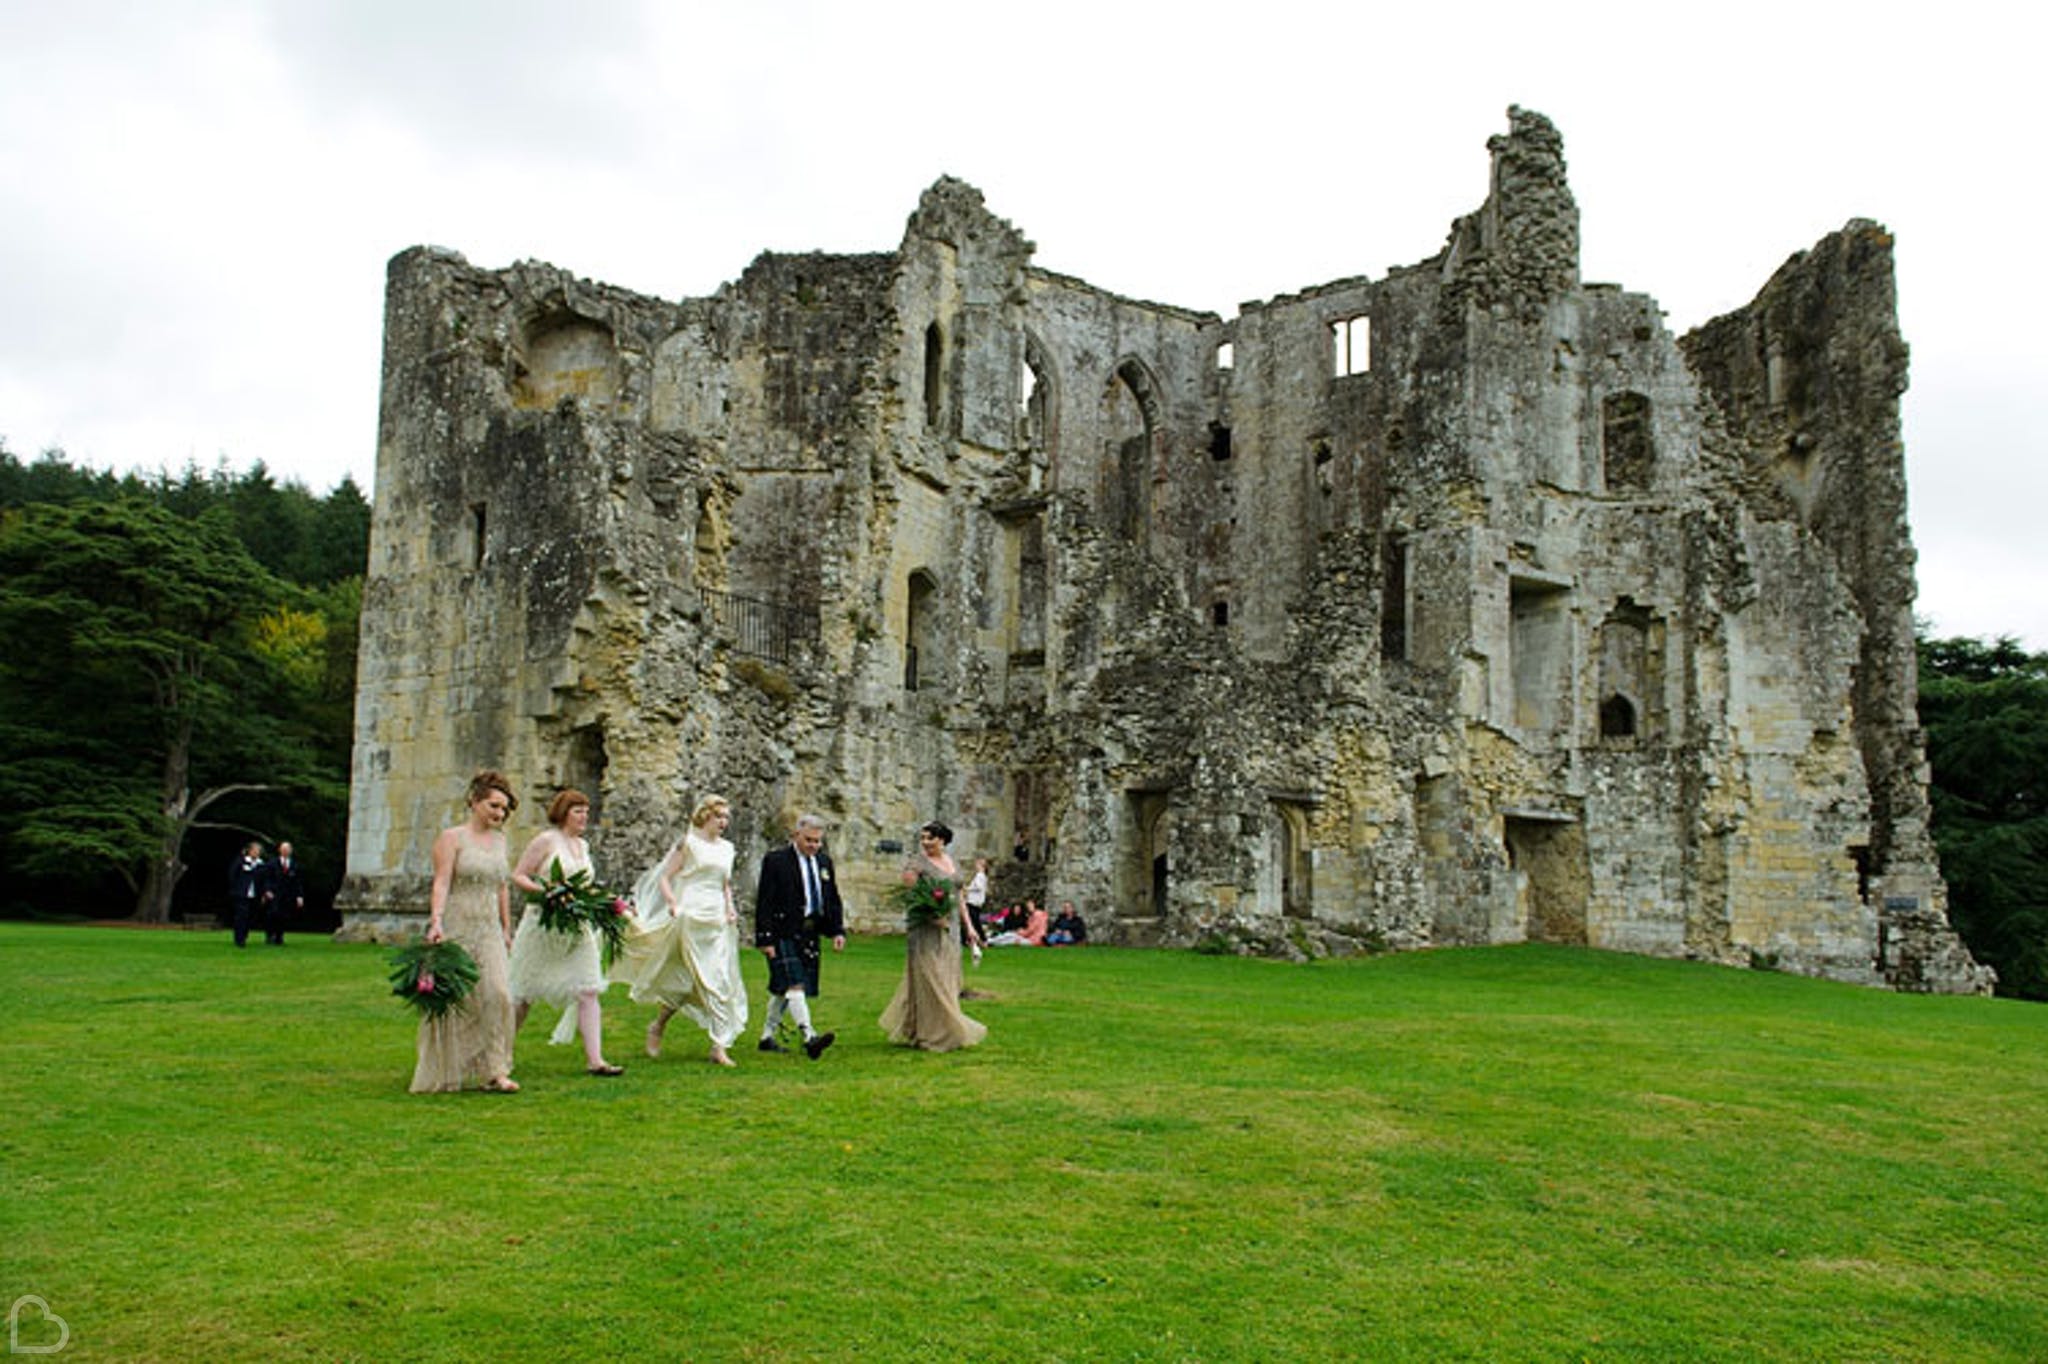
[(707, 807)]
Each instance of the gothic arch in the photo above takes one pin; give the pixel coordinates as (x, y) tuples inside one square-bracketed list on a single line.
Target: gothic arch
[(921, 636), (1133, 418)]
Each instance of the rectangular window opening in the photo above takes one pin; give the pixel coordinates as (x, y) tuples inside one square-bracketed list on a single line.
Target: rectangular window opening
[(1351, 345)]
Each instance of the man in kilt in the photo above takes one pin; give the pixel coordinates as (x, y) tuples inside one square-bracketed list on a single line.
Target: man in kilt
[(796, 903)]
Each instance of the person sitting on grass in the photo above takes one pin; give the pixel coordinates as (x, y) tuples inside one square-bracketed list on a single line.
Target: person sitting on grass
[(1031, 935), (1067, 930)]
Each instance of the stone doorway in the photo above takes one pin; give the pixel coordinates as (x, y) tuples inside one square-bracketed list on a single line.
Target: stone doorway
[(1547, 855), (1143, 873), (1292, 886)]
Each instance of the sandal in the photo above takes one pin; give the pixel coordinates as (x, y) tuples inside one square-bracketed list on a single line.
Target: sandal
[(500, 1086), (606, 1068)]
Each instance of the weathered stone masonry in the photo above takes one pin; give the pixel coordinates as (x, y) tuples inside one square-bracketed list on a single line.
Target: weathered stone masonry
[(1463, 605)]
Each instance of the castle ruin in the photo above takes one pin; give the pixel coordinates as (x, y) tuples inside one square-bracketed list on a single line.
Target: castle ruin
[(1462, 605)]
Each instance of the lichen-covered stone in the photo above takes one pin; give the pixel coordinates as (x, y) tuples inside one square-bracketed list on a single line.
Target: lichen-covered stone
[(1464, 605)]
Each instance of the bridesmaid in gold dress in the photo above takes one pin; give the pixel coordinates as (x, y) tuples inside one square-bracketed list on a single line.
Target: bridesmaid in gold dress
[(926, 1010), (472, 905)]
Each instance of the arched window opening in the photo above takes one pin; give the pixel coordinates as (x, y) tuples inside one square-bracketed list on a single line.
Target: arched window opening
[(1631, 676), (920, 654), (1129, 421)]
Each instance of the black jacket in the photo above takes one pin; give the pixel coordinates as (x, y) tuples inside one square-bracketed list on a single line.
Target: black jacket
[(779, 899), (245, 878), (286, 885)]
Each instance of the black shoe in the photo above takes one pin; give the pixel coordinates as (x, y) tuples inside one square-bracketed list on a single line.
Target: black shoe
[(770, 1044), (815, 1044)]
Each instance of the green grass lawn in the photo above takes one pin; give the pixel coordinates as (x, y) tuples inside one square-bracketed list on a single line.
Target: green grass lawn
[(1515, 1153)]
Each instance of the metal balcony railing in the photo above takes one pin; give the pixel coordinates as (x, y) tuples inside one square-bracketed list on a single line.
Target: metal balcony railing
[(762, 629)]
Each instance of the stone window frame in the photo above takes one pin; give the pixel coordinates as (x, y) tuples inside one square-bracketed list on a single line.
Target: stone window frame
[(1350, 337)]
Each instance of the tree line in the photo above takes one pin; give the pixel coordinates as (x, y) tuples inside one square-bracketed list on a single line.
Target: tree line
[(1984, 708), (177, 674)]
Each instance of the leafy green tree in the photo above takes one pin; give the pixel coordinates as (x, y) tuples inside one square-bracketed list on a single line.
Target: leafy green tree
[(1984, 708), (134, 694)]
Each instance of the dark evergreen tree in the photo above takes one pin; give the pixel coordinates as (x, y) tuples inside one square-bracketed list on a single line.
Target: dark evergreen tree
[(1984, 708)]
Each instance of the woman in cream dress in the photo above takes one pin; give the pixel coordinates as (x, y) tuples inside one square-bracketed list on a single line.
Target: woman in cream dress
[(684, 954), (470, 905), (566, 970)]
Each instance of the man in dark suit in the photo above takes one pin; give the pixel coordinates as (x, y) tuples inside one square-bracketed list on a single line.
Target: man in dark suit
[(284, 894), (796, 903), (245, 889)]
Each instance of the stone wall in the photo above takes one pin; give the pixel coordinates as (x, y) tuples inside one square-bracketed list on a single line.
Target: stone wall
[(1462, 605)]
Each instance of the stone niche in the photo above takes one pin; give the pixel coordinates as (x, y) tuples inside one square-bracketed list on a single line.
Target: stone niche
[(1464, 604)]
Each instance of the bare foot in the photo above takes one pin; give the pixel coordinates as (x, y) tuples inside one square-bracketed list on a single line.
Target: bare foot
[(654, 1039), (503, 1084), (719, 1058)]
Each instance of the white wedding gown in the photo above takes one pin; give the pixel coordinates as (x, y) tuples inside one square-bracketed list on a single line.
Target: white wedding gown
[(689, 961)]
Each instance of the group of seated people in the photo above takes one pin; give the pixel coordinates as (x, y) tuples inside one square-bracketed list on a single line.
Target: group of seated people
[(1027, 925)]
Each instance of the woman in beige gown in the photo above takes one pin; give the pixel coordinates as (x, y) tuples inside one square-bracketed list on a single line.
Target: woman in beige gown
[(472, 905), (684, 954), (926, 1010)]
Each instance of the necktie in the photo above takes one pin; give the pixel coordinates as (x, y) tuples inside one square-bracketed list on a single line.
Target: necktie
[(813, 901)]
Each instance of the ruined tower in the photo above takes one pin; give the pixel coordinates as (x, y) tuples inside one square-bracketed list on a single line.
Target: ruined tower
[(1462, 605)]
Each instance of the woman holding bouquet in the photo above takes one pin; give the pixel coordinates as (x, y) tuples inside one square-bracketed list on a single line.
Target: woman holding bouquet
[(564, 969), (926, 1010), (684, 955), (472, 905)]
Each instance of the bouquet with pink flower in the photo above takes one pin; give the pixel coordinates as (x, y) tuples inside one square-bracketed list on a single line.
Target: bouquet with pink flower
[(570, 903), (927, 900), (433, 977)]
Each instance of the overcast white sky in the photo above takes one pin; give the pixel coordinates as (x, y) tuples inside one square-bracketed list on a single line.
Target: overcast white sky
[(197, 197)]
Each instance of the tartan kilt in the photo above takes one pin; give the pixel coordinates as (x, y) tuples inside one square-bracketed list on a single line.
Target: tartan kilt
[(794, 964)]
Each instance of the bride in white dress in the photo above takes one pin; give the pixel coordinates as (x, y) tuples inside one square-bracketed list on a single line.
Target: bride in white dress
[(684, 953)]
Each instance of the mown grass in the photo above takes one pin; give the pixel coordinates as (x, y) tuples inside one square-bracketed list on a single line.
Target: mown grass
[(1518, 1154)]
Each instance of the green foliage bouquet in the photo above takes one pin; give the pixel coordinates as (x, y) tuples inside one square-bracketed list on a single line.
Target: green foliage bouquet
[(928, 900), (572, 903), (433, 977)]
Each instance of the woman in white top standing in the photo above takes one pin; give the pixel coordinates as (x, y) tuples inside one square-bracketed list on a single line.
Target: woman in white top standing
[(563, 969), (976, 896), (684, 954)]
